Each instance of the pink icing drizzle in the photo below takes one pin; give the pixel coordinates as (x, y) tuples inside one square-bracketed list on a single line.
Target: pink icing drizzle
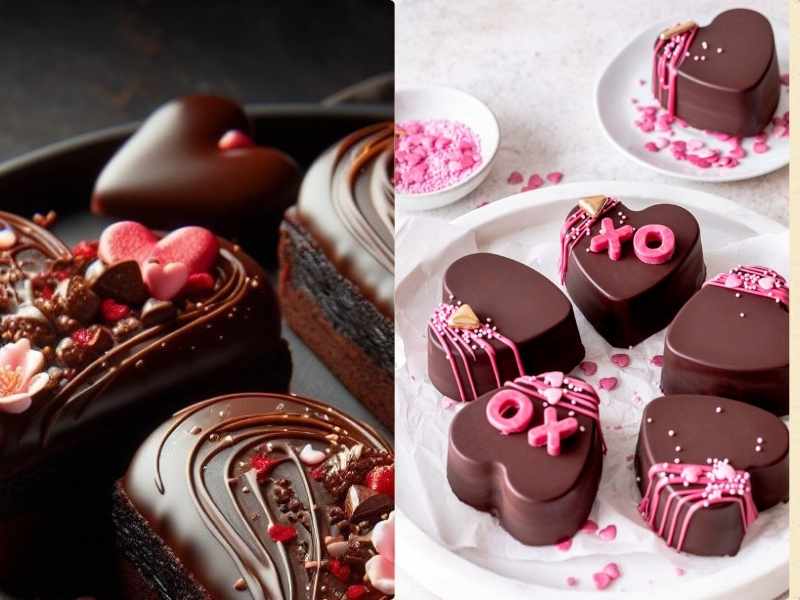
[(667, 58), (577, 394), (466, 343), (578, 225), (760, 281), (702, 486), (507, 400)]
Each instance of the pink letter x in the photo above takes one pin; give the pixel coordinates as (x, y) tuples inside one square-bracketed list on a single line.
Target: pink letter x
[(552, 431), (610, 238)]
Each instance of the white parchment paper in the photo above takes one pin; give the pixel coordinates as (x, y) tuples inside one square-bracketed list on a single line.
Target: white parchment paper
[(425, 247)]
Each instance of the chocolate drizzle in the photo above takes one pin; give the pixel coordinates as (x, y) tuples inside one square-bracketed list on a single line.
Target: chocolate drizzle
[(206, 453)]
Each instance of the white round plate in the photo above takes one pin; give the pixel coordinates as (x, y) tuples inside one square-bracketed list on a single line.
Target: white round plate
[(438, 102), (620, 82), (468, 573)]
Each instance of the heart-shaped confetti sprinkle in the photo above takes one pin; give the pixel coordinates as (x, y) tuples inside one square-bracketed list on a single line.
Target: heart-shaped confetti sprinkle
[(608, 533), (588, 367), (608, 383), (621, 360)]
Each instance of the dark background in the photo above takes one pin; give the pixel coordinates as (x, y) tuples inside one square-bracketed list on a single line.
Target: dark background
[(74, 66)]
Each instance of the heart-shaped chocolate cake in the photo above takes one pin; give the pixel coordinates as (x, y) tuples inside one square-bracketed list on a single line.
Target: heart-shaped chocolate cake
[(628, 271), (721, 77), (193, 162), (499, 319), (732, 340), (530, 452), (95, 352), (705, 467)]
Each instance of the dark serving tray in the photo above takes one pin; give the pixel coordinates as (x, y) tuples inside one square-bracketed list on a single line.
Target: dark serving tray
[(61, 176)]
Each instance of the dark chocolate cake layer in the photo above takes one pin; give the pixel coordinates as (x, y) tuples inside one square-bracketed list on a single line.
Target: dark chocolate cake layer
[(258, 496), (193, 162), (337, 265), (100, 372), (705, 467)]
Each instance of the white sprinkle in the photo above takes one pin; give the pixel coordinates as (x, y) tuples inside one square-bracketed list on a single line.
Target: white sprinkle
[(582, 428), (718, 409), (741, 315), (704, 45), (671, 433), (738, 295), (758, 448), (696, 57), (702, 58), (677, 460), (677, 448), (649, 419), (759, 440), (719, 50)]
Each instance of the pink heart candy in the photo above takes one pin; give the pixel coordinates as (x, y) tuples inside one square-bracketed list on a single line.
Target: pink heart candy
[(621, 360), (612, 570), (601, 580), (164, 282), (608, 383), (588, 367), (126, 240), (608, 533), (554, 378), (553, 395), (732, 281)]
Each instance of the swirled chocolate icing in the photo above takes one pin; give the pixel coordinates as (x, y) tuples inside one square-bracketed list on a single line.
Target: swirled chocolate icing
[(213, 481), (102, 373), (347, 203)]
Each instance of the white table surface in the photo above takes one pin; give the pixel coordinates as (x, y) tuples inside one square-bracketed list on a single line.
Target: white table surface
[(535, 63)]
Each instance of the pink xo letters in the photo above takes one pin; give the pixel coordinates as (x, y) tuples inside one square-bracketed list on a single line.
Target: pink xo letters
[(652, 244)]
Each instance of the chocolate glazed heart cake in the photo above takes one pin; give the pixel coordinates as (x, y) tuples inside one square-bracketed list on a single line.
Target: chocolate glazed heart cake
[(98, 349), (530, 453), (705, 467), (732, 340), (194, 162), (261, 496), (722, 77), (498, 320), (628, 271)]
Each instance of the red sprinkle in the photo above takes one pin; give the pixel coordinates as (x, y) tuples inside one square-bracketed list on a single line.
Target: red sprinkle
[(564, 544), (85, 249), (47, 292), (608, 383), (555, 177), (82, 337), (588, 367), (354, 592), (608, 533), (535, 181), (621, 360), (572, 581), (263, 465), (317, 474), (381, 480), (339, 570), (113, 311), (281, 533), (515, 178), (657, 360), (235, 139), (590, 526), (612, 570), (601, 580)]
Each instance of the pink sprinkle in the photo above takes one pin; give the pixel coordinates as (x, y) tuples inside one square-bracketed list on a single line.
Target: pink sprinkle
[(785, 79), (657, 360), (601, 580), (608, 533), (612, 570), (679, 572), (564, 544), (588, 367), (737, 152), (590, 526), (535, 181), (555, 177), (572, 581), (515, 178), (695, 144), (662, 143), (760, 147), (651, 147), (621, 360), (608, 383)]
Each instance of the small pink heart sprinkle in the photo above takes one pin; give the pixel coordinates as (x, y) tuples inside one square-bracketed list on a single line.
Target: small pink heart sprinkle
[(515, 178), (679, 572), (588, 367), (553, 395), (612, 570), (555, 177), (621, 360), (737, 152), (572, 581), (695, 144), (608, 533), (601, 580), (657, 360), (760, 147), (590, 526), (535, 181), (564, 544), (651, 147), (608, 383)]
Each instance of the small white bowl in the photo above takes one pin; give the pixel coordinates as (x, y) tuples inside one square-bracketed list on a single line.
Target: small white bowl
[(438, 102)]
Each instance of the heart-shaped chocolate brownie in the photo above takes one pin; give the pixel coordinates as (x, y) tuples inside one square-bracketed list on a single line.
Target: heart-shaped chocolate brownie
[(732, 340), (721, 77), (628, 271), (705, 466), (181, 168), (499, 319), (497, 462)]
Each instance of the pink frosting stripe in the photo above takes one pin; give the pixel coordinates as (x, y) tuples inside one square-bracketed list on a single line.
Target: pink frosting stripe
[(704, 486), (578, 395), (667, 58), (752, 279), (578, 225), (470, 340)]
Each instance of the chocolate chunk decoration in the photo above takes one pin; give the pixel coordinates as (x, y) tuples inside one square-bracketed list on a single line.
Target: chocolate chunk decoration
[(155, 312), (121, 282), (539, 499), (365, 504), (627, 300), (527, 325), (77, 299), (726, 73), (728, 341), (704, 428)]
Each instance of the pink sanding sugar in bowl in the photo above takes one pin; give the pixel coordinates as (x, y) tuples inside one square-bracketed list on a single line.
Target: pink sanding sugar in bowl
[(432, 155)]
